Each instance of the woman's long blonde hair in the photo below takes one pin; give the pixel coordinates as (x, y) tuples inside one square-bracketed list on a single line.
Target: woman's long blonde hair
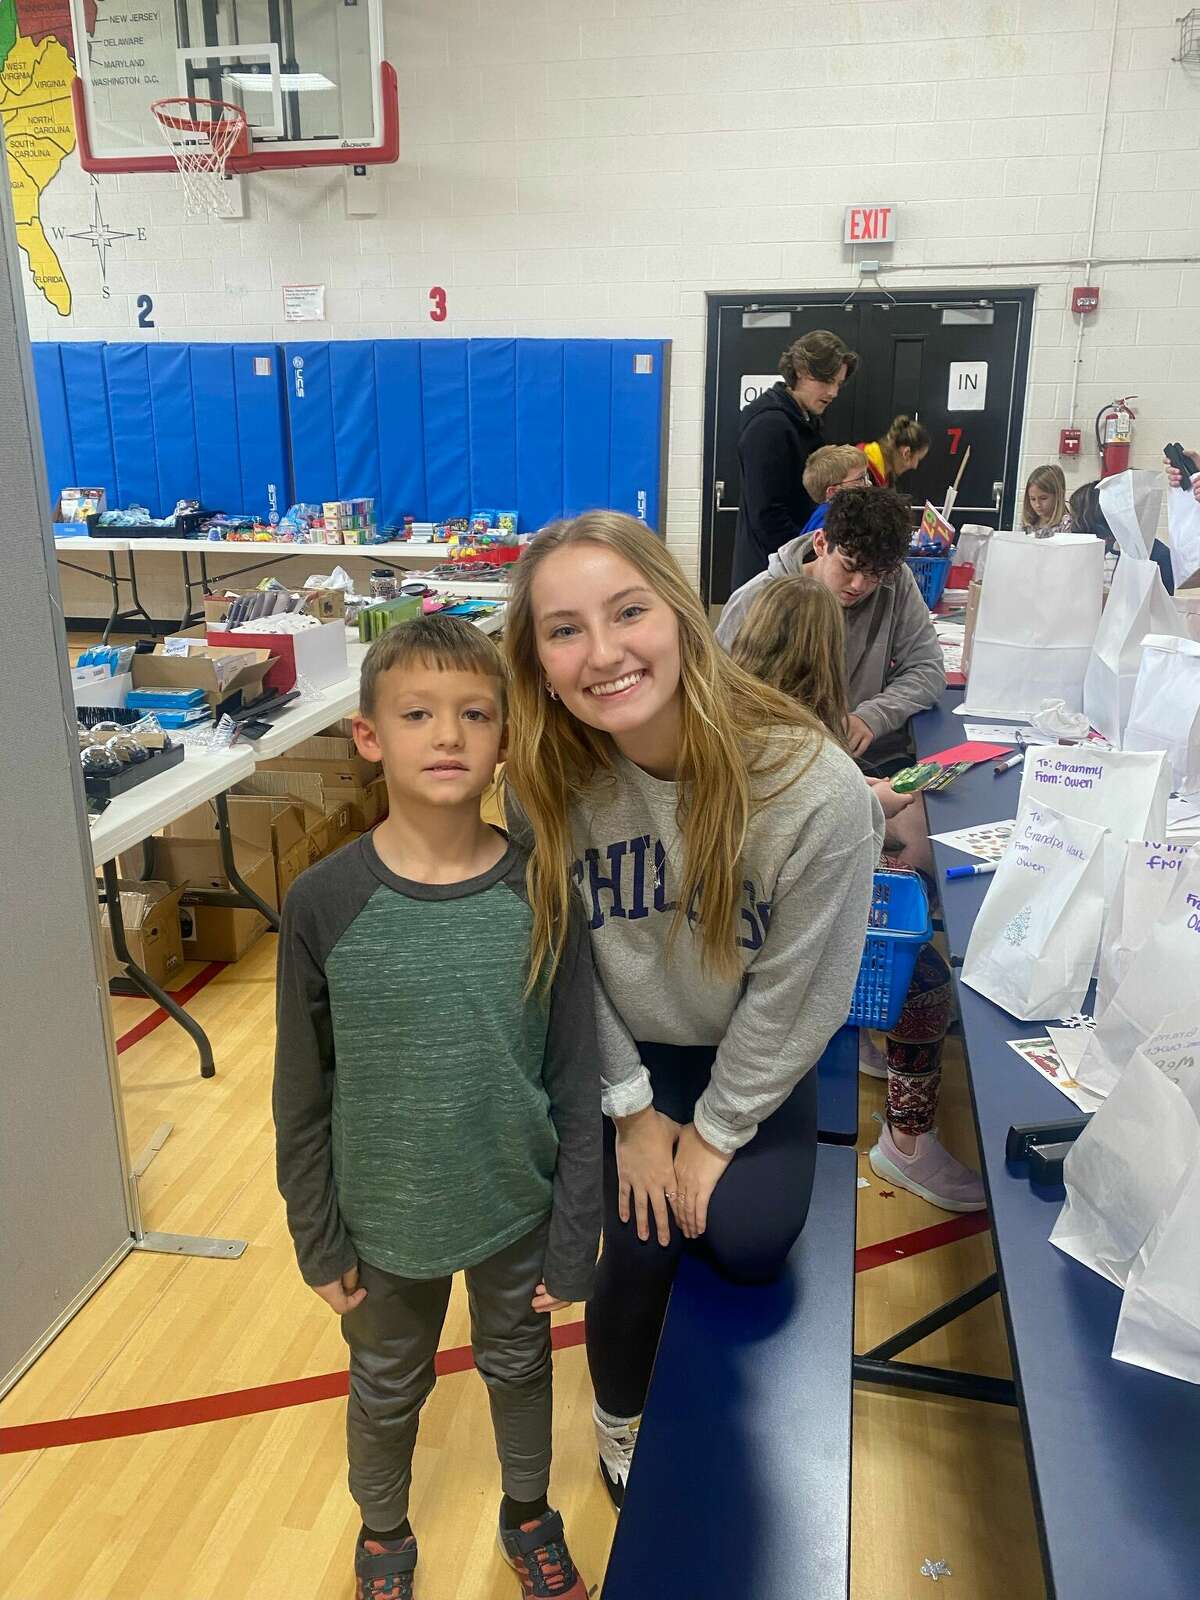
[(1051, 480), (725, 715), (794, 638)]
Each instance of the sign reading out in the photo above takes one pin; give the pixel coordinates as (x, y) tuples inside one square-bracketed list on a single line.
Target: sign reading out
[(869, 225)]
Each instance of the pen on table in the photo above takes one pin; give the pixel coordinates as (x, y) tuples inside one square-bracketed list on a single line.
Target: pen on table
[(976, 871), (1009, 762)]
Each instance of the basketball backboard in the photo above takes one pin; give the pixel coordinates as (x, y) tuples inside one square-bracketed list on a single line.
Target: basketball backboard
[(309, 75)]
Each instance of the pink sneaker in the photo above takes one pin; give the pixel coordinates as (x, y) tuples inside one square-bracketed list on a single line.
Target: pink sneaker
[(931, 1172)]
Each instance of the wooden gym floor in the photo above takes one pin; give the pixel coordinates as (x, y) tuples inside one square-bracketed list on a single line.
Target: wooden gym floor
[(255, 1505)]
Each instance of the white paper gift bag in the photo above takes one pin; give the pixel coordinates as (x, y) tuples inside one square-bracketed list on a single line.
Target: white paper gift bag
[(1038, 615), (1034, 942), (1159, 1324), (1123, 1170), (1183, 534), (1122, 791), (1165, 711), (1138, 605), (1165, 969), (1132, 504), (1149, 873)]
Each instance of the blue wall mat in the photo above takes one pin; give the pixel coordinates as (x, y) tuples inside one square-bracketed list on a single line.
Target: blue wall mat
[(56, 425), (401, 429), (128, 378), (310, 417), (87, 410), (170, 371), (492, 378), (636, 433), (355, 419), (587, 374), (539, 432), (215, 401), (447, 414), (261, 423)]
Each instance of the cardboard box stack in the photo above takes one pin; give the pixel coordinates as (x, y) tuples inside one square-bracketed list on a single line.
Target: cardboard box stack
[(150, 915), (344, 781)]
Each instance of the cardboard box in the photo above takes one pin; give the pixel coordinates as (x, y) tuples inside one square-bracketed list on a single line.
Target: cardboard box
[(219, 672), (195, 865), (325, 604), (291, 865), (366, 806), (225, 933), (316, 654), (150, 913), (304, 790), (258, 825), (333, 757), (973, 593)]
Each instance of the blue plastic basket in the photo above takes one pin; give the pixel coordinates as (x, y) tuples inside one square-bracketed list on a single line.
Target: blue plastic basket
[(899, 925), (931, 573)]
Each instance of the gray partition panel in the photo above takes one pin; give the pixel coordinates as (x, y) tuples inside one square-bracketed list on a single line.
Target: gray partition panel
[(66, 1205)]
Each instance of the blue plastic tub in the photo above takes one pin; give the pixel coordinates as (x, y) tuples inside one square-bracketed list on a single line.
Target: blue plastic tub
[(899, 925), (931, 573)]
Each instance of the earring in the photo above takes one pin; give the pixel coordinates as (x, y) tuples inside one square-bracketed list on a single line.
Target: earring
[(550, 690)]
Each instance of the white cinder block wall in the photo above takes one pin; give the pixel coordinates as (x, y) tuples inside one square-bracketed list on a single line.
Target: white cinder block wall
[(592, 167)]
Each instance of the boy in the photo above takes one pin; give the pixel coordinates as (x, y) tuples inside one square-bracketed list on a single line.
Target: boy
[(431, 1114), (894, 664)]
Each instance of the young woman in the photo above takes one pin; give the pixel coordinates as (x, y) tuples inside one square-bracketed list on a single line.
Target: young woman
[(1044, 511), (902, 449), (792, 639), (723, 845)]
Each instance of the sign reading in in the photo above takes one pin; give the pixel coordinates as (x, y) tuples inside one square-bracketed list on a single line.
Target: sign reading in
[(870, 224)]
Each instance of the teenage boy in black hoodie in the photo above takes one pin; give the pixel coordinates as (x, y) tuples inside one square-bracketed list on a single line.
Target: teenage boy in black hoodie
[(779, 431)]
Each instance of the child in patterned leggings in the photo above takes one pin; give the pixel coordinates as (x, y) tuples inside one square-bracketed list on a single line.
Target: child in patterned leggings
[(792, 638)]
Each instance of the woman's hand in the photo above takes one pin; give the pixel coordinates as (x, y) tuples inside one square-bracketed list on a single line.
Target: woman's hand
[(893, 804), (699, 1167), (645, 1169), (1174, 479)]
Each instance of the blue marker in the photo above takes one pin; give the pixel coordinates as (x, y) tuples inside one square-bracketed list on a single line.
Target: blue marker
[(977, 871)]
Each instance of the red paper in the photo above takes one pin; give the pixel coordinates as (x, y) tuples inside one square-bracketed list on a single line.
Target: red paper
[(973, 751), (956, 680)]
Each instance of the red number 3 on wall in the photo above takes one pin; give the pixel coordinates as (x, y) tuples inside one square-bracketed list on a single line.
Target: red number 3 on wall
[(438, 311)]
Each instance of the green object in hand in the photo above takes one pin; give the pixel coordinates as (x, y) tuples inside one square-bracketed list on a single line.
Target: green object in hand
[(913, 778)]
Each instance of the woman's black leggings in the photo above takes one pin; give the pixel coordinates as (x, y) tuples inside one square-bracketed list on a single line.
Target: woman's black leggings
[(755, 1216)]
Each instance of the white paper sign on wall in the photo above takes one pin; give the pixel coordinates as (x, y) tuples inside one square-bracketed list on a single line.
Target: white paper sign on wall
[(968, 386), (304, 302), (753, 384)]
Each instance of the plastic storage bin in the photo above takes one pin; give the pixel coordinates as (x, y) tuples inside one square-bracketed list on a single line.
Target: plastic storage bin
[(931, 573), (899, 925)]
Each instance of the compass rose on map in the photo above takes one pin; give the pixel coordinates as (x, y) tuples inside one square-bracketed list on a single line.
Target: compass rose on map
[(101, 237)]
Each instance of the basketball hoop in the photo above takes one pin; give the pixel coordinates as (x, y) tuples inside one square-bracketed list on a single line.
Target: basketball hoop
[(201, 135)]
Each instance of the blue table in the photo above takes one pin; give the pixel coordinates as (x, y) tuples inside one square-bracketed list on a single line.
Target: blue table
[(1114, 1451), (837, 1089)]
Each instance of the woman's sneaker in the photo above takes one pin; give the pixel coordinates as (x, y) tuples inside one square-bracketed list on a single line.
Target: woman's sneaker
[(384, 1571), (615, 1440), (931, 1172), (872, 1061), (537, 1552)]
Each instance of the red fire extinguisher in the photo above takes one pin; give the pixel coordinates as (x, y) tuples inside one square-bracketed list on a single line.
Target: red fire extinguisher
[(1114, 434)]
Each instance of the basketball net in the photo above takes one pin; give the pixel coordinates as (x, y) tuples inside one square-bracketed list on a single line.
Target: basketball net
[(202, 135)]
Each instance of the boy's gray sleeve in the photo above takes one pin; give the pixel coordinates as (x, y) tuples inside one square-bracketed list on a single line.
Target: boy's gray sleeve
[(800, 984), (302, 1101), (571, 1073), (916, 676)]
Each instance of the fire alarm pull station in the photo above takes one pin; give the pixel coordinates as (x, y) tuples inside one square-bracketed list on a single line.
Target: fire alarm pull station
[(1068, 442), (1085, 299)]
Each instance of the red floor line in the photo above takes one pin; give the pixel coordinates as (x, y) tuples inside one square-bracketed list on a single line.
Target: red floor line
[(330, 1385), (915, 1244), (181, 996)]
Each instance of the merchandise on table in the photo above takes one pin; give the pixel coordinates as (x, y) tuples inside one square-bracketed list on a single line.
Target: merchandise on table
[(77, 505), (135, 522)]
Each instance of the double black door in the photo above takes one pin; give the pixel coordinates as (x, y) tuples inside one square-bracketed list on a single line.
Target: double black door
[(955, 360)]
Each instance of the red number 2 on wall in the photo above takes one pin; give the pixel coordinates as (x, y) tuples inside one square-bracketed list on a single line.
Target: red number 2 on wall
[(438, 311)]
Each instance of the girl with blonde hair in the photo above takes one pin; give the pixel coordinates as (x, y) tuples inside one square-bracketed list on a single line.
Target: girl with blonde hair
[(793, 638), (723, 845), (1044, 510)]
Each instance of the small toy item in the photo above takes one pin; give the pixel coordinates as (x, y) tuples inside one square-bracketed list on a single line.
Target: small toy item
[(914, 778)]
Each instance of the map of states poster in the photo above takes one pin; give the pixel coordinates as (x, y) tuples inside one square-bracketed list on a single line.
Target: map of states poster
[(36, 72)]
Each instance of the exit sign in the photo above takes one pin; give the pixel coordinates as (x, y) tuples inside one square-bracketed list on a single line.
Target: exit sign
[(870, 224)]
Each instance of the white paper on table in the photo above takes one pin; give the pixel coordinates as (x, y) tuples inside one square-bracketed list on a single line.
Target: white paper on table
[(1131, 502), (1183, 534), (999, 732), (987, 840), (1041, 1055), (1069, 1045)]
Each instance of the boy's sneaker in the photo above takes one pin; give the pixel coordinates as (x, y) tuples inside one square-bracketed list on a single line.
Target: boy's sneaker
[(615, 1440), (931, 1172), (537, 1552), (384, 1571), (872, 1061)]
